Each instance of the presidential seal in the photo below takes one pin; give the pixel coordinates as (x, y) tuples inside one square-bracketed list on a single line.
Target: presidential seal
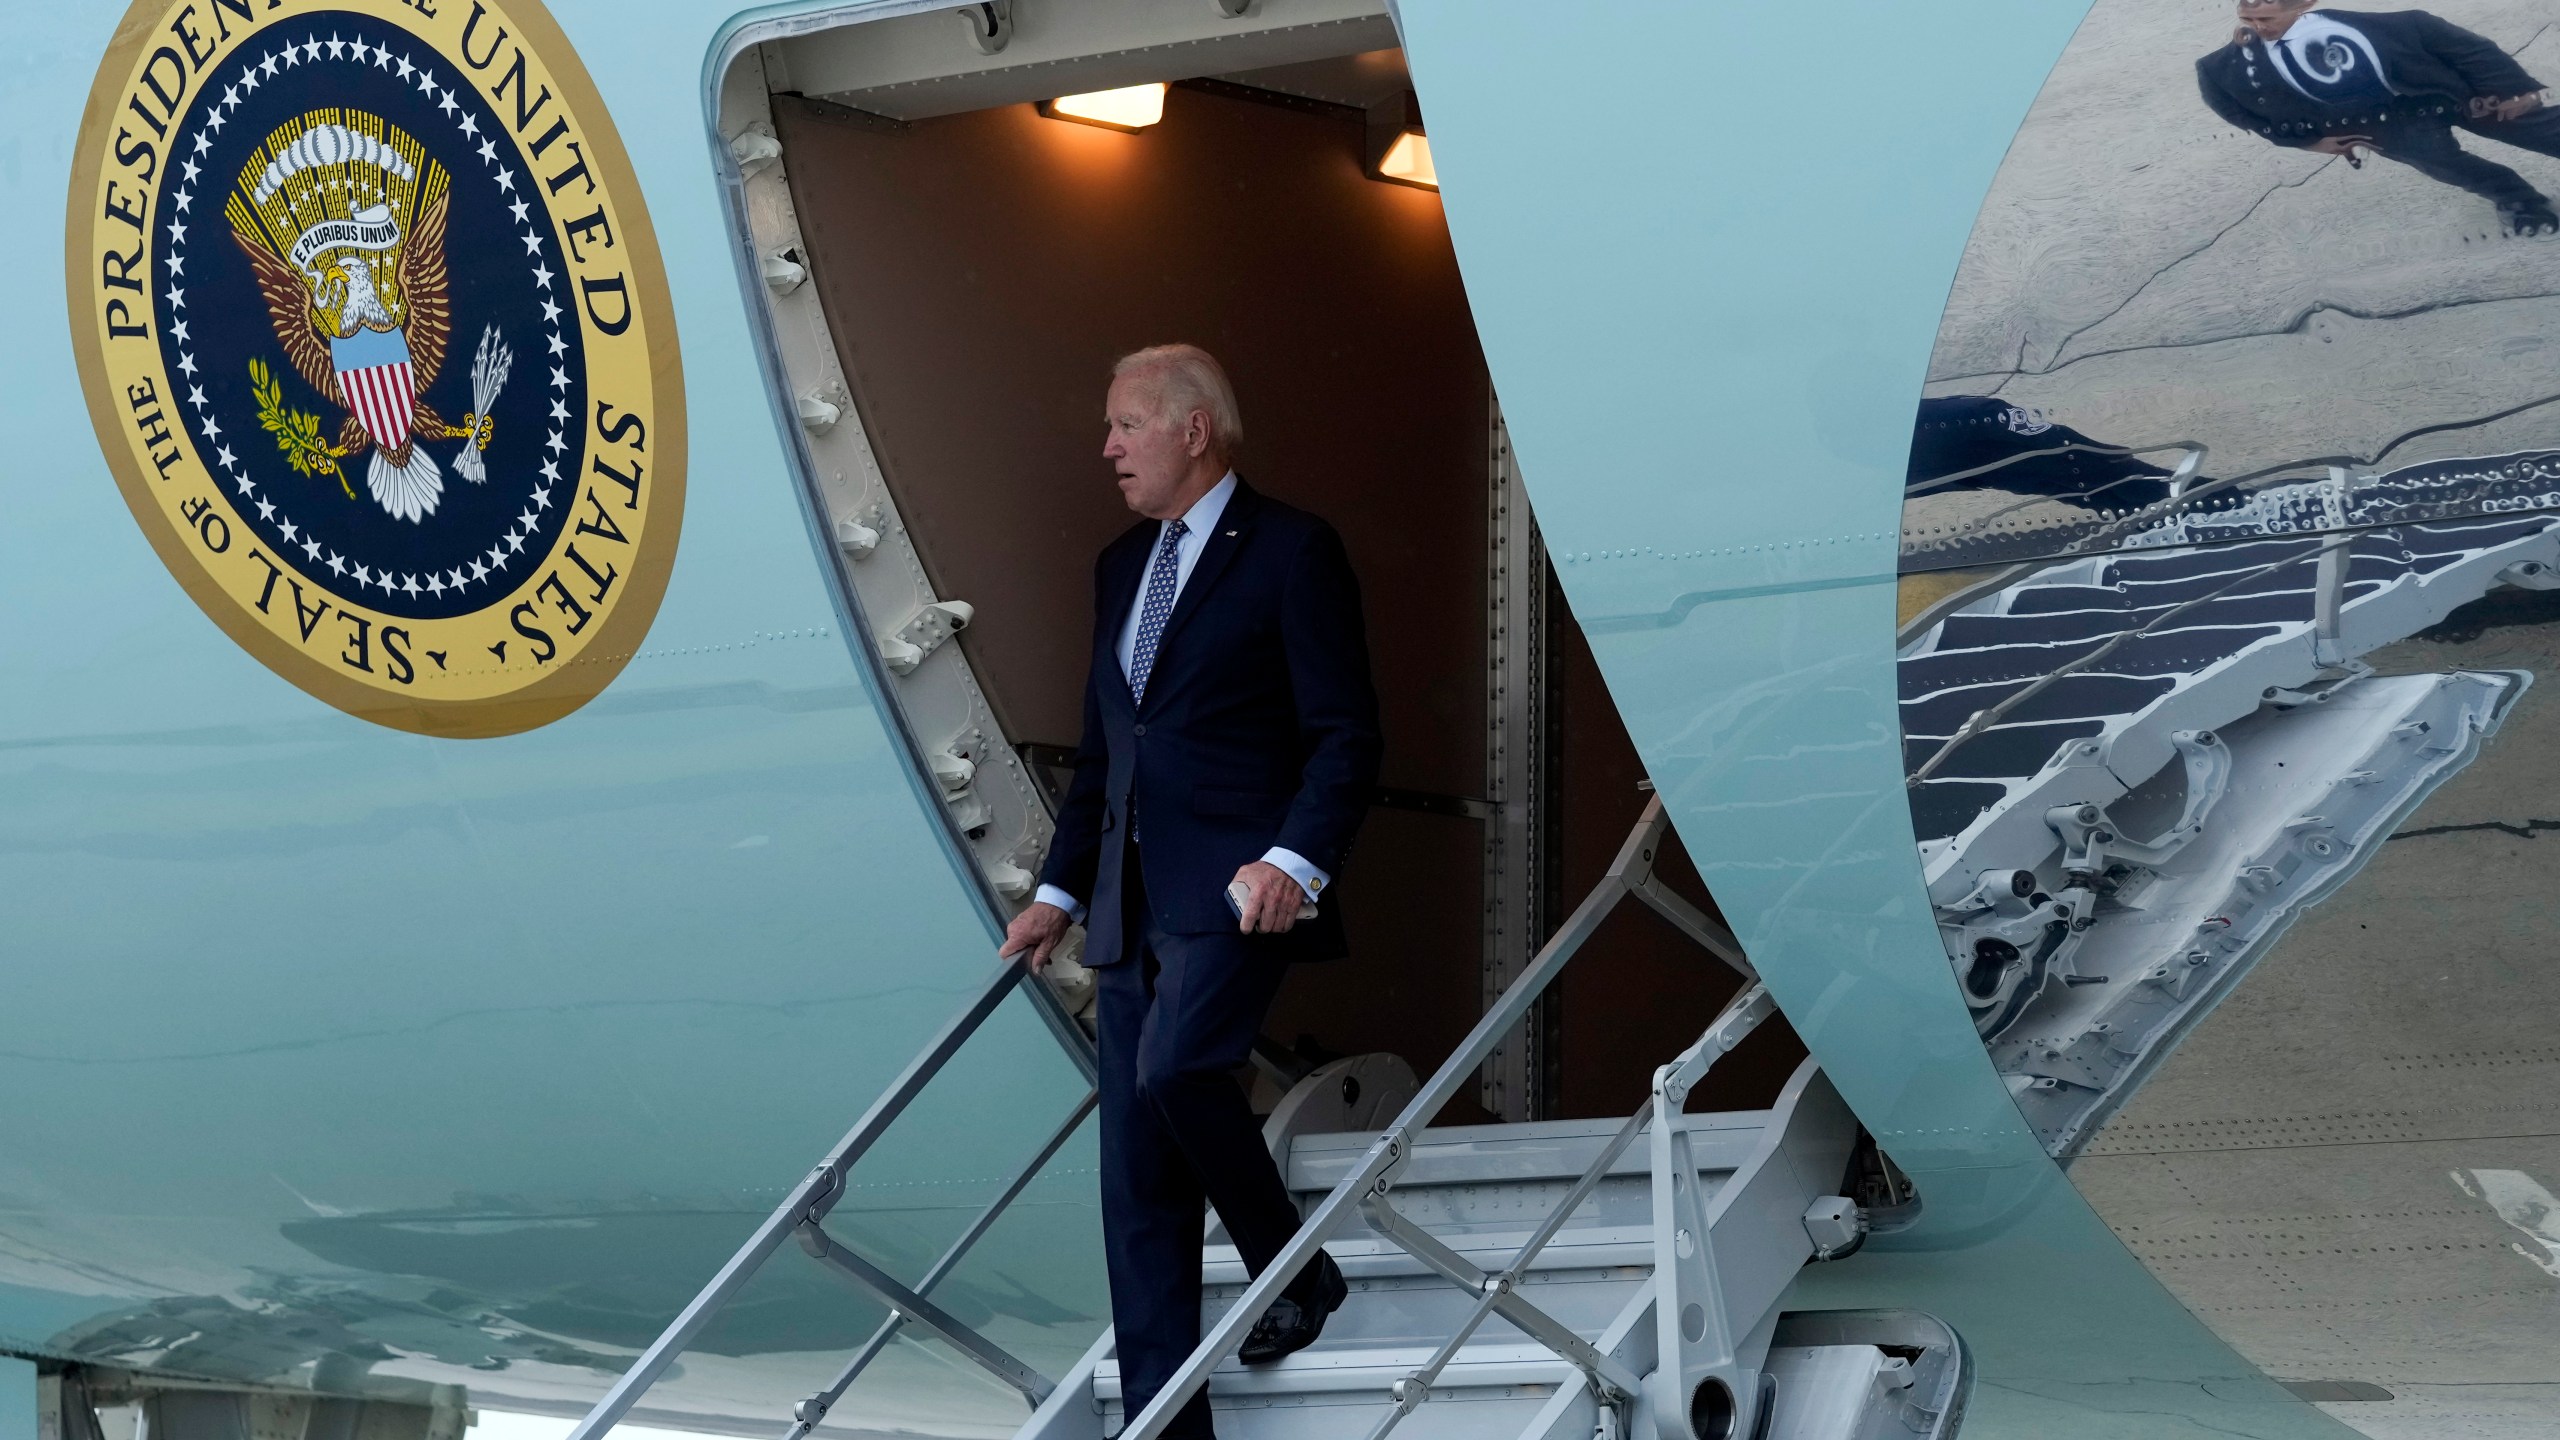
[(375, 336)]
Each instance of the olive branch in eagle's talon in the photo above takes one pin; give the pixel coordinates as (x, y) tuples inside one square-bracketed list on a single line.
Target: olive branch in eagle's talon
[(297, 432)]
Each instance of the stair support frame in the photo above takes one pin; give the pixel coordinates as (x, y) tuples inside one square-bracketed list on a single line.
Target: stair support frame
[(946, 1327), (806, 1416), (1611, 1383), (1497, 1297), (1695, 1338)]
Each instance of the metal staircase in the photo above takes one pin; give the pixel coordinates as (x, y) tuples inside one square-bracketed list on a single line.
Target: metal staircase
[(1506, 1283), (1619, 1280)]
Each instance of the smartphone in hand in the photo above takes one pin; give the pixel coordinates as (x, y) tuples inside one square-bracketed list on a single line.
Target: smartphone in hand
[(1237, 894)]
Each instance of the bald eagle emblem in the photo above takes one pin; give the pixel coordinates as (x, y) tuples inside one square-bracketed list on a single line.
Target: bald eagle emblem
[(342, 217)]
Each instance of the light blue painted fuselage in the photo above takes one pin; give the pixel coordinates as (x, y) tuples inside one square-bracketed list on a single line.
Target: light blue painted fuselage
[(331, 1051)]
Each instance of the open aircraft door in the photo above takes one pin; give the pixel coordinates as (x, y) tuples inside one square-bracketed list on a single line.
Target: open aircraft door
[(1707, 249)]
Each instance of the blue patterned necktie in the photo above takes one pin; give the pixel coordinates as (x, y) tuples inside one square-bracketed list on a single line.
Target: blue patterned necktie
[(1158, 609)]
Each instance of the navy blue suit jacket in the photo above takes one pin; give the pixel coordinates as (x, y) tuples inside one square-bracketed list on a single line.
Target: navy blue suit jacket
[(1259, 728), (2434, 65)]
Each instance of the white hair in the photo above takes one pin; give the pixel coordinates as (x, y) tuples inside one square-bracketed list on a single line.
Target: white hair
[(1188, 378)]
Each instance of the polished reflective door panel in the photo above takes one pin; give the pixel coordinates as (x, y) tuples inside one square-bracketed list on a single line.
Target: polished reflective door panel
[(2230, 588), (2237, 384)]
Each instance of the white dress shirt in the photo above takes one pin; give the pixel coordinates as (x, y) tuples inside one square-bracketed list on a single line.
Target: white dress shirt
[(1198, 522)]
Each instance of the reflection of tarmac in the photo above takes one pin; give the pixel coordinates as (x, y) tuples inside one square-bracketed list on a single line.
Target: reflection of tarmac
[(2149, 275), (2306, 1174)]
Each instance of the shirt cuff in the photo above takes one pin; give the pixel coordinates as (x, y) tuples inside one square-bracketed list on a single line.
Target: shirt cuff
[(1295, 866), (1052, 895)]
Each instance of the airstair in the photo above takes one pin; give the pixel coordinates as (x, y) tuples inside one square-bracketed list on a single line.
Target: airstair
[(1599, 1280)]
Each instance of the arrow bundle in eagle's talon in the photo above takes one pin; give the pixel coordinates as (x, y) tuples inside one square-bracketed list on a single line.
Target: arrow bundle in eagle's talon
[(489, 368)]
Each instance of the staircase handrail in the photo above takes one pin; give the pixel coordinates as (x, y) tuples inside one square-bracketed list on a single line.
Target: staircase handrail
[(1630, 873), (802, 1213)]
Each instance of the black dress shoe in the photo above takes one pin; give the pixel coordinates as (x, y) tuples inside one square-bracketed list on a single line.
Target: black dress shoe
[(2531, 217), (1292, 1324)]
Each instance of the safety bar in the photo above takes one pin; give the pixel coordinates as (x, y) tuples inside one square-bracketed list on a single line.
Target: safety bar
[(806, 1415), (1631, 873), (803, 1211), (826, 1250)]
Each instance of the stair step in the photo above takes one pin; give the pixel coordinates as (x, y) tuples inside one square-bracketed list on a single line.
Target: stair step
[(1370, 1369), (1368, 1256), (1425, 1310), (1484, 1188), (1489, 1390), (1459, 1155), (1479, 1413), (1482, 1191)]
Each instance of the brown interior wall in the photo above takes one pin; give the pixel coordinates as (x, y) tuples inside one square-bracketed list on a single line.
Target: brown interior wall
[(981, 271)]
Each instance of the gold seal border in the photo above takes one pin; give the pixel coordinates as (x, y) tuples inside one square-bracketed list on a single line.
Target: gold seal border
[(579, 679)]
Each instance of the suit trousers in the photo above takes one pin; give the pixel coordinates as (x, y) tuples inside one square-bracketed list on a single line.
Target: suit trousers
[(2432, 151), (1178, 1015)]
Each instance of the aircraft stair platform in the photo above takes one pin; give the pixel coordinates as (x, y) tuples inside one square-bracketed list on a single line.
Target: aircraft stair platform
[(1612, 1279)]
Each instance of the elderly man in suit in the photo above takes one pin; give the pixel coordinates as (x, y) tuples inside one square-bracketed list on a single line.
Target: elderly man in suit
[(2397, 83), (1230, 748)]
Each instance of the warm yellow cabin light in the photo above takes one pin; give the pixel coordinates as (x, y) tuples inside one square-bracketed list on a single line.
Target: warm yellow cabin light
[(1132, 107), (1409, 160)]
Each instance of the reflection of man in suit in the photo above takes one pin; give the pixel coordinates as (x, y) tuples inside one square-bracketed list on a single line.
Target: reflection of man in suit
[(1230, 738), (2396, 83)]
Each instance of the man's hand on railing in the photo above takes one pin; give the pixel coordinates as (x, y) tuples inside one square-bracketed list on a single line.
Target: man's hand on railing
[(1033, 934)]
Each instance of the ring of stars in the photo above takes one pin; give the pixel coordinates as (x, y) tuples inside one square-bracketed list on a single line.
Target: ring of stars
[(494, 562)]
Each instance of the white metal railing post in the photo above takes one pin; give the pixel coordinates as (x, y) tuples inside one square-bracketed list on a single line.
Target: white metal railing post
[(1697, 1378)]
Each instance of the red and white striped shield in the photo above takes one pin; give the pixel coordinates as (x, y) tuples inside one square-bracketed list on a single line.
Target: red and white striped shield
[(373, 373)]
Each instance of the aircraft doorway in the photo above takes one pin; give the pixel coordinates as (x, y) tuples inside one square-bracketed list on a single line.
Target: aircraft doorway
[(956, 285)]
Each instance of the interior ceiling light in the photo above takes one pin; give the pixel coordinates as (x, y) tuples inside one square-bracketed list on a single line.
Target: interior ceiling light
[(1394, 148), (1132, 107), (1409, 160)]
